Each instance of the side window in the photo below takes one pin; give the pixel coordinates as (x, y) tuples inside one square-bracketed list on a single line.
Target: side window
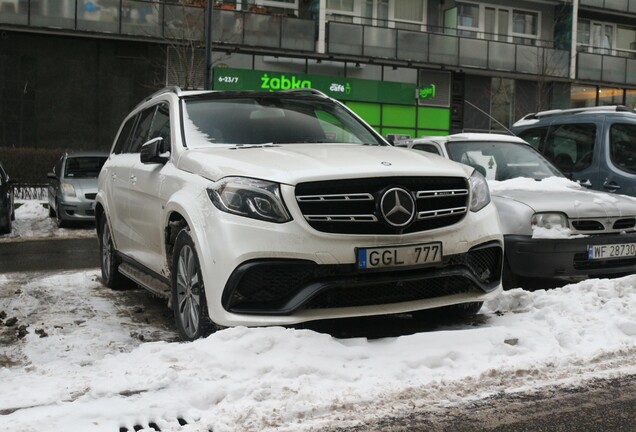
[(534, 137), (428, 148), (142, 131), (124, 137), (623, 146), (161, 126), (571, 146)]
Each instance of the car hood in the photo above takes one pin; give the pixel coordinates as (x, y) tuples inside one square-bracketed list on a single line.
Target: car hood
[(296, 163), (562, 195)]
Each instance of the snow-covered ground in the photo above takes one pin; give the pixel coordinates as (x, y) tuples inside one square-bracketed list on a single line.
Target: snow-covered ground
[(73, 357), (32, 222)]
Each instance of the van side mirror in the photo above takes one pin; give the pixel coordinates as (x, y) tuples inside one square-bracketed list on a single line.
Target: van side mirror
[(151, 152)]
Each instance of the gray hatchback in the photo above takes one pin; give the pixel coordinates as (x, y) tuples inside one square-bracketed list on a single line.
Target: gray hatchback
[(73, 186)]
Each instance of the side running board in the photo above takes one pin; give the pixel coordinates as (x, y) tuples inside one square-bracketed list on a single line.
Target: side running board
[(151, 283)]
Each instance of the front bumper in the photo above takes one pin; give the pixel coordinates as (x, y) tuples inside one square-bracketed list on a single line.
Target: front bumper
[(77, 210), (546, 258), (284, 287)]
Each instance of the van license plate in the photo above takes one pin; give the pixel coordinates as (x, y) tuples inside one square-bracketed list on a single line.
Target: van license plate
[(399, 256), (610, 251)]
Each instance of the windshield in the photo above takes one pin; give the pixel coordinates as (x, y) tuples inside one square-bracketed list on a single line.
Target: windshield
[(274, 119), (84, 167), (502, 160)]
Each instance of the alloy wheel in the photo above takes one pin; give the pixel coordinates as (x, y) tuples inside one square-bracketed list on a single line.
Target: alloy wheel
[(188, 291)]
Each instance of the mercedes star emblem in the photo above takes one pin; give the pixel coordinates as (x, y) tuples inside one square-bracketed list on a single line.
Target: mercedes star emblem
[(397, 207)]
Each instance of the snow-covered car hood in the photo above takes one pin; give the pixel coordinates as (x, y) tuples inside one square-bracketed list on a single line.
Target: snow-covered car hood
[(562, 195), (295, 163)]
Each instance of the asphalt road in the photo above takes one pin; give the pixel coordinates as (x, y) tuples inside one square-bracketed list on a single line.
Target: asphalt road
[(598, 406), (44, 255)]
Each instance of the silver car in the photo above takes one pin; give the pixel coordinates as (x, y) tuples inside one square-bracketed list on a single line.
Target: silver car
[(553, 227), (73, 186)]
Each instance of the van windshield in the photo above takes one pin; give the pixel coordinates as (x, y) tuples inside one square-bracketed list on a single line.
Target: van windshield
[(271, 119)]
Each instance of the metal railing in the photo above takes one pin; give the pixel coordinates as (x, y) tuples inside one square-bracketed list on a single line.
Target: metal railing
[(437, 47), (164, 20), (30, 191), (617, 5)]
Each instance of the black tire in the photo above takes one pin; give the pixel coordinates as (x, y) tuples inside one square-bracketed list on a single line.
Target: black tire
[(188, 294), (61, 223), (509, 280), (109, 259), (6, 228)]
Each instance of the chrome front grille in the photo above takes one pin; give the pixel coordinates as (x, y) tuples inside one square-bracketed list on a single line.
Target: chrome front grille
[(352, 206)]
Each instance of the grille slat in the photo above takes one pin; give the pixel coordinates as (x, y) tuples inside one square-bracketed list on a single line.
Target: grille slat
[(611, 224), (351, 206), (625, 223)]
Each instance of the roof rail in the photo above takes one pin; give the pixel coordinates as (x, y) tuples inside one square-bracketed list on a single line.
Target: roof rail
[(305, 90), (598, 109), (170, 89)]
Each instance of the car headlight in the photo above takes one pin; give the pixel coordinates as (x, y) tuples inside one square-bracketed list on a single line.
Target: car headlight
[(68, 189), (481, 195), (253, 198), (549, 220)]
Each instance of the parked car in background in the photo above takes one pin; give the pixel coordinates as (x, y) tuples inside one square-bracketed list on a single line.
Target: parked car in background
[(259, 208), (595, 146), (73, 186), (552, 226), (7, 210)]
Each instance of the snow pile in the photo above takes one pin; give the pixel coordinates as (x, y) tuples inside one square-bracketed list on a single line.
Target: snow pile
[(94, 376), (32, 222)]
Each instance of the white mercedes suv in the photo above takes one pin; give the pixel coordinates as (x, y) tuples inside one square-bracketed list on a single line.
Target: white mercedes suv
[(248, 208)]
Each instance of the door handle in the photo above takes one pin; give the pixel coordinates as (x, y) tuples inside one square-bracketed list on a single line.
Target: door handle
[(611, 185)]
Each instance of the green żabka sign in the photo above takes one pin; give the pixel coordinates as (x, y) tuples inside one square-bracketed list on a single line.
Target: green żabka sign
[(337, 87)]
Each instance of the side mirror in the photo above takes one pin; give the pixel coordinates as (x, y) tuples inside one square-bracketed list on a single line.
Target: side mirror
[(151, 152), (51, 175)]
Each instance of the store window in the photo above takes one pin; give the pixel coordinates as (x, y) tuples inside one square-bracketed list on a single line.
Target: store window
[(630, 98), (610, 96), (583, 96)]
